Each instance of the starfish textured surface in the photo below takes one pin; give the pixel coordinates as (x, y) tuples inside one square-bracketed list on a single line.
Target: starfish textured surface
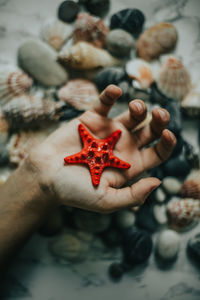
[(97, 154)]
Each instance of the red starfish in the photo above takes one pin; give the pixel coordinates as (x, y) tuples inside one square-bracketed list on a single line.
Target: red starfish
[(97, 154)]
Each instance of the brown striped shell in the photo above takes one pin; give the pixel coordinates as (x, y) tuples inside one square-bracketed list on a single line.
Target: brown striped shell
[(191, 186), (158, 39)]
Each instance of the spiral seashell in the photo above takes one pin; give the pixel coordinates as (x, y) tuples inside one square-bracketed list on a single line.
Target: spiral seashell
[(141, 71), (55, 33), (28, 112), (22, 142), (13, 82), (84, 56), (90, 29), (80, 93), (191, 102), (183, 212), (158, 39), (173, 80), (191, 186)]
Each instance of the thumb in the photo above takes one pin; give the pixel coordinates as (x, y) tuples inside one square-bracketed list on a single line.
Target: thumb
[(131, 196)]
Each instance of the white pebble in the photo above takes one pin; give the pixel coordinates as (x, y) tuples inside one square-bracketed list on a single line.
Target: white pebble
[(160, 214), (171, 185), (160, 195), (167, 244), (125, 219)]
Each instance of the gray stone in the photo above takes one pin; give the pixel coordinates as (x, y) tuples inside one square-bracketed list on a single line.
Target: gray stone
[(39, 60), (119, 42), (125, 219)]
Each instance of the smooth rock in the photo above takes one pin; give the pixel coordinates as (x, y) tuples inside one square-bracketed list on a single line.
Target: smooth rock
[(193, 247), (129, 19), (125, 219), (68, 10), (112, 237), (116, 271), (127, 91), (176, 122), (53, 224), (96, 7), (171, 185), (109, 75), (179, 146), (145, 218), (119, 42), (39, 60), (160, 195), (167, 245), (160, 214), (177, 166)]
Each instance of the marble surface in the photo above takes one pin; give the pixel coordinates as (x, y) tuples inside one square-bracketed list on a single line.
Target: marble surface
[(36, 274)]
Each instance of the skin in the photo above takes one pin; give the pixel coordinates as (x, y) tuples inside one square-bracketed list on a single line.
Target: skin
[(43, 182)]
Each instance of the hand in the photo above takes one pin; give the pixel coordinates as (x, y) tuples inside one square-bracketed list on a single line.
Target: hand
[(71, 184)]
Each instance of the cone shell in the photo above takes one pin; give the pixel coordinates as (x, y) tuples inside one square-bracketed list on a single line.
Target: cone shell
[(158, 39), (84, 56), (29, 111), (90, 29), (80, 93), (21, 143), (191, 186), (173, 79), (141, 71), (183, 212), (13, 82), (55, 33)]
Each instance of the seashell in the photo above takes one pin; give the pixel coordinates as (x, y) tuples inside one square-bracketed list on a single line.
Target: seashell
[(70, 246), (171, 185), (90, 29), (13, 82), (141, 71), (129, 19), (91, 222), (183, 212), (168, 245), (191, 186), (158, 39), (22, 142), (119, 43), (173, 79), (125, 219), (96, 7), (193, 247), (53, 223), (84, 56), (109, 75), (80, 93), (68, 10), (39, 59), (30, 112), (191, 102), (55, 33)]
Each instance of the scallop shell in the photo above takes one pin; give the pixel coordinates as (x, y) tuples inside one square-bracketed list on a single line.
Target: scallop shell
[(80, 93), (191, 186), (141, 71), (29, 111), (84, 56), (13, 82), (191, 102), (21, 143), (90, 29), (173, 79), (158, 39), (183, 212), (55, 33)]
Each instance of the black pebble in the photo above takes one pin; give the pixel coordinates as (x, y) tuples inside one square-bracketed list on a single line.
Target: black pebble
[(4, 157), (179, 146), (157, 172), (96, 7), (177, 166), (176, 122), (112, 237), (131, 20), (137, 246), (116, 271), (191, 155), (156, 96), (70, 113), (68, 11), (110, 75), (193, 247), (127, 91), (145, 218)]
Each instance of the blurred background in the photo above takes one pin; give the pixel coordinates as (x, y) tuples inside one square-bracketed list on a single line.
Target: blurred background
[(55, 59)]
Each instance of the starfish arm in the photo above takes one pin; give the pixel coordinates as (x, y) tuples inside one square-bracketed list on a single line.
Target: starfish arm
[(86, 137), (113, 138), (118, 163), (96, 172), (76, 158)]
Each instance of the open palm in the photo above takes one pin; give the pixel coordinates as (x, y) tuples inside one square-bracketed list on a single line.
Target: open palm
[(71, 184)]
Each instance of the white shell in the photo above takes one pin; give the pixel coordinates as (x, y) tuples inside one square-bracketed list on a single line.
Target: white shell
[(55, 33), (13, 82), (141, 71), (173, 79), (21, 143), (168, 244), (191, 102), (85, 56)]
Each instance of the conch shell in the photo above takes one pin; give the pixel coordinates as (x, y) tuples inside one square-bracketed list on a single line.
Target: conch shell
[(84, 56), (159, 39), (174, 80), (191, 186)]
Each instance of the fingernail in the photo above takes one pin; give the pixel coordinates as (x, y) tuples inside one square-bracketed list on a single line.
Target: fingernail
[(163, 115), (138, 106)]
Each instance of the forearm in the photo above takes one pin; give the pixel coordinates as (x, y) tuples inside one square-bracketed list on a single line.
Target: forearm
[(23, 206)]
